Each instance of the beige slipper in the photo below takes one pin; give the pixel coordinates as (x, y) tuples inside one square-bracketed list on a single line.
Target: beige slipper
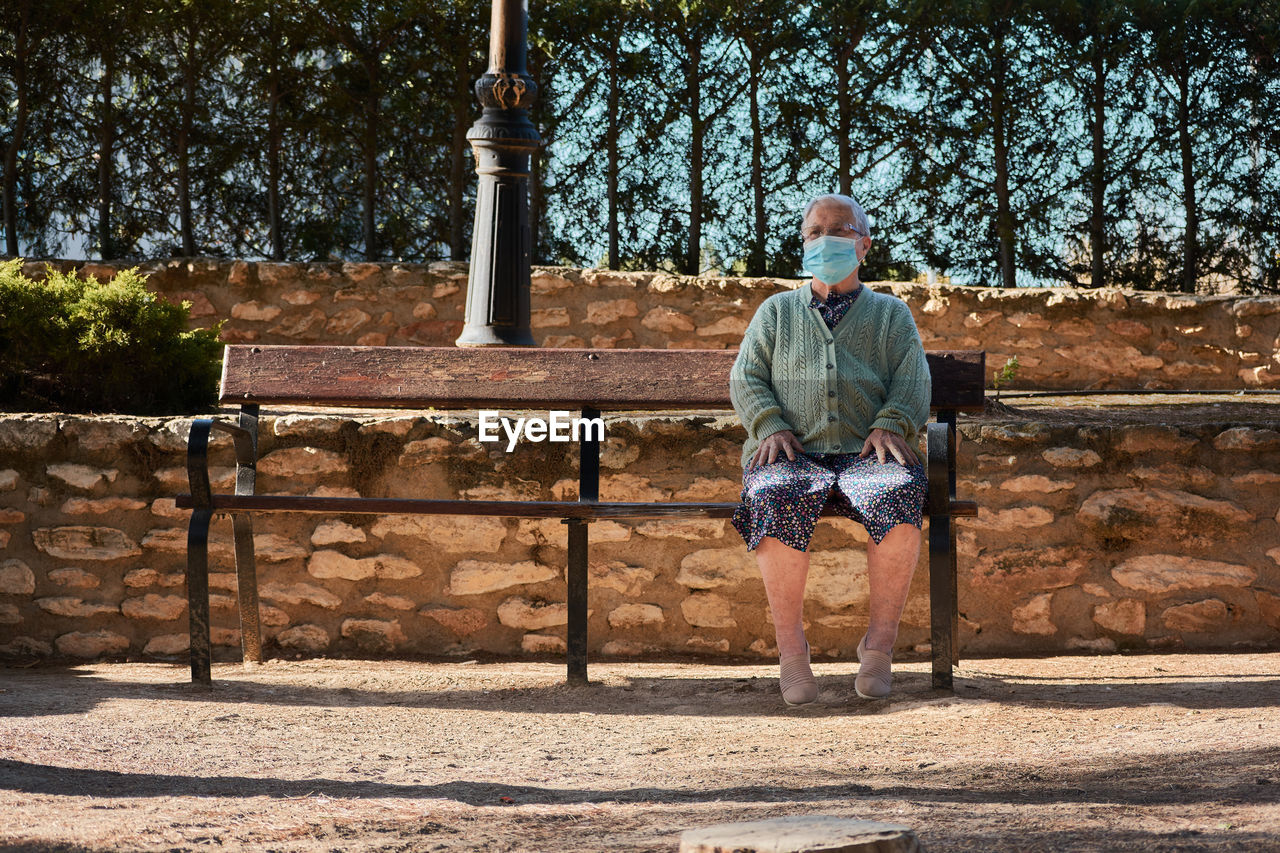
[(799, 687), (875, 675)]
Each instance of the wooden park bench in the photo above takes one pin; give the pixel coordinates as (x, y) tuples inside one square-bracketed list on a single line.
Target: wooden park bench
[(591, 381)]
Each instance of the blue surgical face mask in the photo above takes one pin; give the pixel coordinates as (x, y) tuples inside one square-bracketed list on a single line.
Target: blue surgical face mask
[(831, 259)]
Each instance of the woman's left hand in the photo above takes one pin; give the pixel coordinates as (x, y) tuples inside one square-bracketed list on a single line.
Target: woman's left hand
[(882, 442)]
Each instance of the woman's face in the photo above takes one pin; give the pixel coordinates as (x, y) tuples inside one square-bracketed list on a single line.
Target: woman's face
[(836, 220)]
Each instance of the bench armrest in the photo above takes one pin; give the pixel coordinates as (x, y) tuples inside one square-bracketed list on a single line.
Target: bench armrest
[(198, 459), (939, 467)]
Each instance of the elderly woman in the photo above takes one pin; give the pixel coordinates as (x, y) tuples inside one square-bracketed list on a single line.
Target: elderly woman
[(832, 386)]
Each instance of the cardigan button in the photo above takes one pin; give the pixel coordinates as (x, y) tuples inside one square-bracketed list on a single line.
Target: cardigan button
[(829, 367), (831, 393)]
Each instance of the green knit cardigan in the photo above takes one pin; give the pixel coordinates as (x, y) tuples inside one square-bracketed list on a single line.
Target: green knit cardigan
[(830, 387)]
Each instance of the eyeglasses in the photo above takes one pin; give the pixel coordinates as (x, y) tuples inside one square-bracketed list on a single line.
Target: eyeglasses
[(847, 230)]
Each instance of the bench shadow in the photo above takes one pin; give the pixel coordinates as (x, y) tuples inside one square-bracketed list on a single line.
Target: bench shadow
[(1245, 775), (48, 691)]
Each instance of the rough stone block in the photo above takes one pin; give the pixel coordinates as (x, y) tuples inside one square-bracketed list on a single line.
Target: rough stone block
[(374, 635), (1071, 457), (710, 489), (1124, 616), (1135, 440), (1136, 512), (542, 644), (306, 426), (165, 645), (85, 543), (1161, 573), (162, 608), (73, 607), (1197, 617), (619, 577), (81, 477), (1034, 616), (519, 612), (715, 567), (304, 638), (391, 602), (838, 579), (691, 529), (334, 564), (75, 578), (551, 531), (301, 462), (1036, 483), (474, 577), (636, 616), (300, 593), (91, 644), (1015, 517), (462, 621), (707, 610), (730, 325), (8, 480), (102, 506), (254, 311), (1247, 440), (469, 534), (667, 320), (336, 533), (9, 614)]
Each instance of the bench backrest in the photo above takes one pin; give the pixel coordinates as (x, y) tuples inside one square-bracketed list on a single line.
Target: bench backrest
[(528, 378)]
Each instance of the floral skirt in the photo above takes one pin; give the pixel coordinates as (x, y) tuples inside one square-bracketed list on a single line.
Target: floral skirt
[(784, 500)]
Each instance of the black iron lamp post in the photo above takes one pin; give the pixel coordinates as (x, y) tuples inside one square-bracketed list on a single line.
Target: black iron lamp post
[(503, 139)]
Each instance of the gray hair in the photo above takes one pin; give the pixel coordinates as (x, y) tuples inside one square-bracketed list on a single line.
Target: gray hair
[(855, 210)]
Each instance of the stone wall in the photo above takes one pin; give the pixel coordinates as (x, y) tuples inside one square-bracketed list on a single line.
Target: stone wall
[(1111, 535), (1063, 338)]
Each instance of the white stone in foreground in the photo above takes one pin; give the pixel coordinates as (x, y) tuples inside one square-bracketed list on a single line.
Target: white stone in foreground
[(801, 834)]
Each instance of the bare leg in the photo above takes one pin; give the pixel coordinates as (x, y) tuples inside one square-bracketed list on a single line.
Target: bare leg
[(784, 570), (889, 568)]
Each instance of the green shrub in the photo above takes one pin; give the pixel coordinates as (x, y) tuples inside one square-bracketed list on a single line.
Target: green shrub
[(76, 345)]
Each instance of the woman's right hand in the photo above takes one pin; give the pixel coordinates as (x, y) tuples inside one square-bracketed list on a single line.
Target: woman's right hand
[(772, 448)]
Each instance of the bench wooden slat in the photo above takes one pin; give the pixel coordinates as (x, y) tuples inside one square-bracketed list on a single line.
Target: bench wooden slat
[(497, 509), (525, 378)]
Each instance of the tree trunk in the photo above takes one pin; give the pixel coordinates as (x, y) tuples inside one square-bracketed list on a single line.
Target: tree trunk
[(1190, 240), (844, 111), (22, 51), (1004, 211), (1097, 221), (184, 156), (106, 142), (274, 133), (756, 261), (370, 145), (462, 100), (611, 152), (536, 190), (693, 261)]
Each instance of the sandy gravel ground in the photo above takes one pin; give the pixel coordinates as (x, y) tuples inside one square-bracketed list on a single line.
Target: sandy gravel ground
[(1154, 752)]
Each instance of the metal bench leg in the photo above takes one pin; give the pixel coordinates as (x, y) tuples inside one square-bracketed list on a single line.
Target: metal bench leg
[(247, 589), (577, 601), (942, 588), (198, 594)]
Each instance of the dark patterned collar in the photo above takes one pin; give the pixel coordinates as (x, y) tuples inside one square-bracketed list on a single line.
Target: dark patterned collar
[(835, 306)]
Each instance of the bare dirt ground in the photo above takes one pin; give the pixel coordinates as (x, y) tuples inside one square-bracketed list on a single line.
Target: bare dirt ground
[(1153, 752)]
